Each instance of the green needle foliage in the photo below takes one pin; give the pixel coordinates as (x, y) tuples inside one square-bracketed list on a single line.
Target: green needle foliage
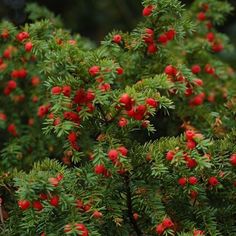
[(133, 137)]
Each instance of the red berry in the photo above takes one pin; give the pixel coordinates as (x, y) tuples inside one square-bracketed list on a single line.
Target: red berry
[(94, 70), (37, 205), (201, 16), (209, 69), (170, 34), (126, 100), (191, 163), (99, 169), (193, 194), (43, 196), (152, 102), (119, 71), (148, 38), (24, 204), (90, 95), (192, 180), (213, 181), (56, 90), (160, 229), (72, 137), (97, 214), (162, 39), (210, 36), (217, 47), (198, 82), (233, 159), (22, 35), (122, 150), (182, 181), (122, 122), (170, 70), (196, 69), (28, 46), (170, 155), (152, 48), (189, 134), (22, 73), (11, 84), (117, 38), (167, 223), (113, 154), (12, 129), (66, 90), (54, 201), (147, 11)]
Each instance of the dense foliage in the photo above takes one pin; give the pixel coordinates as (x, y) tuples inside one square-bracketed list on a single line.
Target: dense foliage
[(134, 137)]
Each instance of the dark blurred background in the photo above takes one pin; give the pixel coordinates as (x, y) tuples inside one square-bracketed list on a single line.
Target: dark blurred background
[(95, 18)]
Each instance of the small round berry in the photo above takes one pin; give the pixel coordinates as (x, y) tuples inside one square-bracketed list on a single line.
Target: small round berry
[(233, 159), (113, 154), (28, 46), (147, 11), (213, 181), (94, 70), (192, 180), (117, 38)]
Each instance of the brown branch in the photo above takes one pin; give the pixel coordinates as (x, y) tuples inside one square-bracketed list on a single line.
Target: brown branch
[(130, 207)]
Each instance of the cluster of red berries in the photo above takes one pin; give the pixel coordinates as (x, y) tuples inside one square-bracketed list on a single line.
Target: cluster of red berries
[(166, 224), (80, 229), (137, 112), (163, 38), (37, 204), (43, 110), (65, 90)]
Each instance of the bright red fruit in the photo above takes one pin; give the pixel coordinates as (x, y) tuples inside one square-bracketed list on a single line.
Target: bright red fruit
[(170, 155), (170, 70), (56, 90), (117, 38), (192, 180), (28, 46), (123, 150), (233, 159), (24, 204), (113, 154), (122, 122), (201, 16), (147, 11), (152, 102), (160, 229), (119, 71), (152, 48), (162, 39), (11, 84), (94, 70), (196, 69), (37, 205), (182, 181), (99, 169), (189, 134), (66, 90), (213, 181), (167, 223), (54, 201)]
